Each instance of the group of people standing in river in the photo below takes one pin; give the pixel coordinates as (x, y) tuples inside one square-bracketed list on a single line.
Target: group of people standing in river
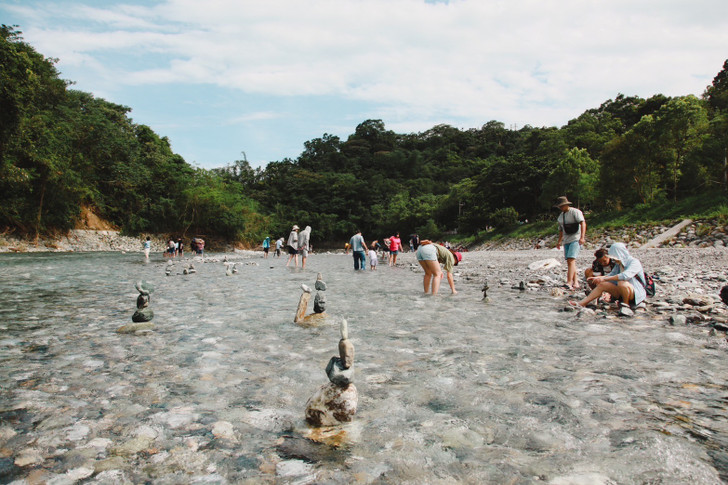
[(429, 255), (614, 275)]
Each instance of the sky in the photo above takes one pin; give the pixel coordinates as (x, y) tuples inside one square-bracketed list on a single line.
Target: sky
[(228, 80)]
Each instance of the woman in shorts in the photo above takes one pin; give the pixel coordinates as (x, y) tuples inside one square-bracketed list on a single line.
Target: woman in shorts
[(430, 256)]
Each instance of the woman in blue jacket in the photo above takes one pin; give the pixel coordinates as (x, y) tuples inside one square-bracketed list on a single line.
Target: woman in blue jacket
[(624, 282)]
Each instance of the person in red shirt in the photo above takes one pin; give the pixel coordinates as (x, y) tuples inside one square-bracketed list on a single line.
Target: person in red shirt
[(395, 246)]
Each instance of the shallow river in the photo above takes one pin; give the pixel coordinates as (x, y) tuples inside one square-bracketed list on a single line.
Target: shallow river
[(451, 390)]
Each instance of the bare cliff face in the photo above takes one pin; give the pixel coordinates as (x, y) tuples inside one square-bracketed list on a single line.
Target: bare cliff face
[(90, 221)]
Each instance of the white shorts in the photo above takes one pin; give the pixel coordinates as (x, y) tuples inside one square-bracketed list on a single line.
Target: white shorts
[(428, 252)]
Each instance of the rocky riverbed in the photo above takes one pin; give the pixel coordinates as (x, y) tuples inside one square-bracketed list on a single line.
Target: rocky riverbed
[(520, 389), (688, 282)]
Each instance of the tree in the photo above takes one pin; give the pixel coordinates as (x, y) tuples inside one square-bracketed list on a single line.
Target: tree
[(680, 126)]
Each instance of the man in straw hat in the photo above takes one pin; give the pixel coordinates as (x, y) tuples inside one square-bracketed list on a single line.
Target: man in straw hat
[(572, 231)]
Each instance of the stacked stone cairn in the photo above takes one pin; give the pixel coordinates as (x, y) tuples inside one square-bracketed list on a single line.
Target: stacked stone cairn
[(143, 315), (336, 402), (319, 304), (230, 269)]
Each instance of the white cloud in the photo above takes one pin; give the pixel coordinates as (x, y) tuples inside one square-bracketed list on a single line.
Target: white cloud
[(515, 60)]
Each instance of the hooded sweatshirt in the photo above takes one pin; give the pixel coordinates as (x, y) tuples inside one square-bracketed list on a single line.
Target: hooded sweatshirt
[(304, 237), (629, 269)]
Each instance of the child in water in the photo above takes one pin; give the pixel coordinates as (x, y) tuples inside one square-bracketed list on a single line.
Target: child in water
[(373, 259)]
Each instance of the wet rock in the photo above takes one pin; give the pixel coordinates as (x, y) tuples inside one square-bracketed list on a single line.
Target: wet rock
[(135, 327), (299, 470), (332, 405), (319, 303), (338, 374), (223, 430), (29, 456), (143, 312), (132, 446), (143, 315), (320, 285), (346, 348), (78, 474)]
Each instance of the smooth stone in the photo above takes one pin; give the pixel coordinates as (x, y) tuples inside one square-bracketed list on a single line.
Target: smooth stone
[(678, 320), (143, 315), (80, 473), (338, 374), (697, 300), (302, 306), (346, 353), (135, 327), (306, 288), (320, 285), (133, 446), (223, 430), (113, 463), (625, 311), (28, 456), (144, 287), (332, 405), (319, 303), (544, 264)]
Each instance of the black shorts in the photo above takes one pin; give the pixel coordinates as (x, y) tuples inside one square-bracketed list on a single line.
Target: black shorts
[(291, 250), (266, 250)]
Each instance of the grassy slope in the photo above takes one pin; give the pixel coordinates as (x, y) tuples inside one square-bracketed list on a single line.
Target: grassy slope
[(704, 206)]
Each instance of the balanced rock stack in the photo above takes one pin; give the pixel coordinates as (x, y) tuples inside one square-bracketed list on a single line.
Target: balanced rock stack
[(143, 312), (302, 304), (336, 402), (143, 315), (319, 302)]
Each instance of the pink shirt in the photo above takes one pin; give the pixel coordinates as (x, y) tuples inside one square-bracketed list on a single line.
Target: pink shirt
[(395, 243)]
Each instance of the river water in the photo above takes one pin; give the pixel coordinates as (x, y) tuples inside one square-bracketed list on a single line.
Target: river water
[(451, 389)]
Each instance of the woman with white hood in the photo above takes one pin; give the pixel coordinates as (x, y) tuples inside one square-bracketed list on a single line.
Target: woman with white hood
[(624, 282)]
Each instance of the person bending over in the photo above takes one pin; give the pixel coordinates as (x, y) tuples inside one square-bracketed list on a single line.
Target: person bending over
[(430, 256)]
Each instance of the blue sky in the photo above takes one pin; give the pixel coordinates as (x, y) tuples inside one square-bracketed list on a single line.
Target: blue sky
[(222, 77)]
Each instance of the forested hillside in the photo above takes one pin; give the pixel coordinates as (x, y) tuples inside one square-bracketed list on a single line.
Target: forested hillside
[(63, 149)]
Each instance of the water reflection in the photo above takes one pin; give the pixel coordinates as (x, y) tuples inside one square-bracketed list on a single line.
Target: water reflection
[(450, 389)]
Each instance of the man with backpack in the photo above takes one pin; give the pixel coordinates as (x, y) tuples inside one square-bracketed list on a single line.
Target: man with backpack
[(572, 232)]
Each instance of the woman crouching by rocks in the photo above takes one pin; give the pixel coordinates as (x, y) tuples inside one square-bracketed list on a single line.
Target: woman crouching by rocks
[(622, 283)]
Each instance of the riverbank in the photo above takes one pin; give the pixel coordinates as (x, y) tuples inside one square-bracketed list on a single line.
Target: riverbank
[(701, 233)]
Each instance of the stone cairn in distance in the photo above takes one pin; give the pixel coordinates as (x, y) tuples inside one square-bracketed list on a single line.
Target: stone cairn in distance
[(336, 402), (143, 315), (319, 303)]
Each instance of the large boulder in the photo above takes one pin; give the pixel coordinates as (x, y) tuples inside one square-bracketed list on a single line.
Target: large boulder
[(332, 405)]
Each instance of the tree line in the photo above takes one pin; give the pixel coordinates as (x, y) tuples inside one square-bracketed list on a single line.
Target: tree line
[(62, 149)]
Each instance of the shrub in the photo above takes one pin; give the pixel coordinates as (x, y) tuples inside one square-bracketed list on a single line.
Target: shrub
[(504, 217)]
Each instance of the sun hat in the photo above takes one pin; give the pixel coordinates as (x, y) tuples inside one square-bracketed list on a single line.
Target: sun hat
[(458, 256), (561, 201), (295, 227)]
